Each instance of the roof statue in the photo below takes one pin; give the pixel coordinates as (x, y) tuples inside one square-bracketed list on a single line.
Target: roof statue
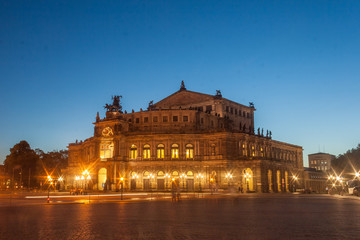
[(151, 104), (251, 104), (218, 93), (116, 106), (182, 87)]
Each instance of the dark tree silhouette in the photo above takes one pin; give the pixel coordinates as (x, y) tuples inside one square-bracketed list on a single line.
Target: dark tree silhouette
[(20, 164), (347, 162)]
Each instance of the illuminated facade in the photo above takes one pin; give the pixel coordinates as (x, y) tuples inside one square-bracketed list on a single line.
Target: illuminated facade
[(320, 161), (189, 140)]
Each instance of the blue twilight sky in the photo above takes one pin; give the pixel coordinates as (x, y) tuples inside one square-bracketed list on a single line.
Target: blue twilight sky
[(298, 61)]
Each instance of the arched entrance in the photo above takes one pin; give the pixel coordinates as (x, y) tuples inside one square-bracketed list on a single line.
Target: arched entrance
[(270, 181), (134, 178), (102, 175), (190, 181), (286, 181), (160, 181), (146, 181)]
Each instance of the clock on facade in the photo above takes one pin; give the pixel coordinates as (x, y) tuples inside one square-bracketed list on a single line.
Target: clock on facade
[(107, 132)]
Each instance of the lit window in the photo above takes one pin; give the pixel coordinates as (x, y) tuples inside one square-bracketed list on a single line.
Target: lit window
[(106, 150), (174, 151), (133, 152), (244, 150), (146, 151), (160, 151), (189, 151)]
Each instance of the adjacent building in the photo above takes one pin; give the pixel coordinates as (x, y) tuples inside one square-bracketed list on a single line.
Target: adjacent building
[(189, 141), (320, 161)]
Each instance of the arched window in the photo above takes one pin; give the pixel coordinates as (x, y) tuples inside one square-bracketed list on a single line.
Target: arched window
[(160, 151), (174, 151), (189, 151), (106, 150), (146, 154), (133, 152), (175, 173)]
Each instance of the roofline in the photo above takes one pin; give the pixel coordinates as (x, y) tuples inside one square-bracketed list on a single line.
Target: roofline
[(205, 94)]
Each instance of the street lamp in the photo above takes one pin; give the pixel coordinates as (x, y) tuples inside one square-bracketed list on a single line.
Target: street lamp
[(167, 177), (122, 187), (247, 177), (49, 179), (183, 177), (211, 185), (86, 177), (200, 177), (228, 176), (150, 177), (295, 178)]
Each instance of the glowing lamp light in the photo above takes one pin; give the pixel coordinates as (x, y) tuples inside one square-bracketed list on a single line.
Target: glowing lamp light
[(357, 174)]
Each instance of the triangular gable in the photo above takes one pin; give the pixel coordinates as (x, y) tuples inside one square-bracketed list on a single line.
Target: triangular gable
[(183, 97)]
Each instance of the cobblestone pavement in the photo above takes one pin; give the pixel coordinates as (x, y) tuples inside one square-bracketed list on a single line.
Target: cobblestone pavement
[(272, 216)]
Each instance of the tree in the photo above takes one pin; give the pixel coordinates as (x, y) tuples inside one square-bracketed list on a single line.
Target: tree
[(348, 162), (20, 164), (52, 163)]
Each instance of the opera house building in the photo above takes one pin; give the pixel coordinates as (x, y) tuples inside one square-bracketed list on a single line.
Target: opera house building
[(189, 141)]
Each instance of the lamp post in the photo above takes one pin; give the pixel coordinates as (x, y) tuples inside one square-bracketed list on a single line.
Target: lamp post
[(122, 187), (228, 176), (86, 177), (49, 179), (199, 177), (247, 178), (211, 185), (183, 177), (167, 177), (60, 180), (295, 178)]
